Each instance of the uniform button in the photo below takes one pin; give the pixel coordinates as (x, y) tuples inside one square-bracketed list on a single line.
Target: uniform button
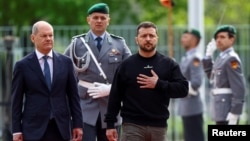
[(115, 59), (223, 100)]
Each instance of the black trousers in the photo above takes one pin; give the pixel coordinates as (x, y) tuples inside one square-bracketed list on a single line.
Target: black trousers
[(193, 128), (52, 133), (221, 122)]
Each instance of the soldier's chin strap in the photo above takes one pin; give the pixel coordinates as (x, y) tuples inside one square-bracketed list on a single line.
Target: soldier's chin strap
[(79, 59), (95, 61)]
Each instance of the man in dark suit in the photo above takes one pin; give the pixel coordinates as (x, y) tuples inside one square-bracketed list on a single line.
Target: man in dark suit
[(45, 108)]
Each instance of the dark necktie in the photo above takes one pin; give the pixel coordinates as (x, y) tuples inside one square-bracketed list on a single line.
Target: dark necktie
[(99, 39), (46, 71)]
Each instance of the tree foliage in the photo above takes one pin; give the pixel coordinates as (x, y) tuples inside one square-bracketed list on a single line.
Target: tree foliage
[(227, 12), (74, 12)]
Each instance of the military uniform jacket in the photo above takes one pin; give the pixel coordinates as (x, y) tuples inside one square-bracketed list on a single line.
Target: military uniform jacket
[(114, 50), (191, 68), (228, 82)]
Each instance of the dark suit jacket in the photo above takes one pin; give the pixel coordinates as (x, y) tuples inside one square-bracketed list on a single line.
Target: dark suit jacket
[(29, 86)]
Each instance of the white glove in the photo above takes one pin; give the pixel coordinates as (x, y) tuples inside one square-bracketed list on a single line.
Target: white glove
[(99, 90), (232, 118), (211, 47), (191, 91)]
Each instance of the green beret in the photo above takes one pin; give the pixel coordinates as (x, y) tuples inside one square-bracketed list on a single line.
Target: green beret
[(99, 7), (194, 32), (225, 28)]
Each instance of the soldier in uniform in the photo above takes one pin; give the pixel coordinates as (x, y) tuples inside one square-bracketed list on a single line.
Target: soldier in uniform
[(190, 108), (95, 65), (226, 76)]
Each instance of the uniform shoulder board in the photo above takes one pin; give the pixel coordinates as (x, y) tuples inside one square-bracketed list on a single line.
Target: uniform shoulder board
[(115, 36), (80, 35), (198, 55)]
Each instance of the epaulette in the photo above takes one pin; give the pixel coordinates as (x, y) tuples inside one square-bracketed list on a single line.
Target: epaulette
[(115, 36), (234, 54), (76, 36)]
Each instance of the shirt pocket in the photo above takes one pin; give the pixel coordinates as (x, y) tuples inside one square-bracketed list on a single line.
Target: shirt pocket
[(113, 59)]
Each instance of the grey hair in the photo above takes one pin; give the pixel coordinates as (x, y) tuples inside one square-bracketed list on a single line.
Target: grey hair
[(36, 26)]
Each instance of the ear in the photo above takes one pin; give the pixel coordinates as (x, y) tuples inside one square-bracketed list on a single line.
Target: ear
[(136, 40), (32, 38), (108, 20), (232, 40), (88, 19)]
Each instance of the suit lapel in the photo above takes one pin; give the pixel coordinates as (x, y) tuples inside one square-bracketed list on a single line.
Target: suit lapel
[(35, 66), (57, 67)]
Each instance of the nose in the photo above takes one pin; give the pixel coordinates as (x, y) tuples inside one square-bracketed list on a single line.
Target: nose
[(148, 37), (49, 37), (99, 19)]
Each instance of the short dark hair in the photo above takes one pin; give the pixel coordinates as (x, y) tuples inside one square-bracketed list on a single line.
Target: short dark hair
[(146, 24)]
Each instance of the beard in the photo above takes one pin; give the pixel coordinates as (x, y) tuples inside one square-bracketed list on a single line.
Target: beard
[(148, 47)]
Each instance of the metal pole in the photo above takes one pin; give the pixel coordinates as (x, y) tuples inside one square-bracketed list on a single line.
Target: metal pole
[(170, 33), (171, 55), (196, 20)]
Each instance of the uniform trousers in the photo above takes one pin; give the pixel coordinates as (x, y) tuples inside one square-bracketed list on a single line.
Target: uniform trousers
[(134, 132), (221, 122), (224, 122), (193, 128)]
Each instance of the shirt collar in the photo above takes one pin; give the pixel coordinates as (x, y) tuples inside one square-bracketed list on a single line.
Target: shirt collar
[(225, 51), (94, 36), (40, 55), (191, 51)]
